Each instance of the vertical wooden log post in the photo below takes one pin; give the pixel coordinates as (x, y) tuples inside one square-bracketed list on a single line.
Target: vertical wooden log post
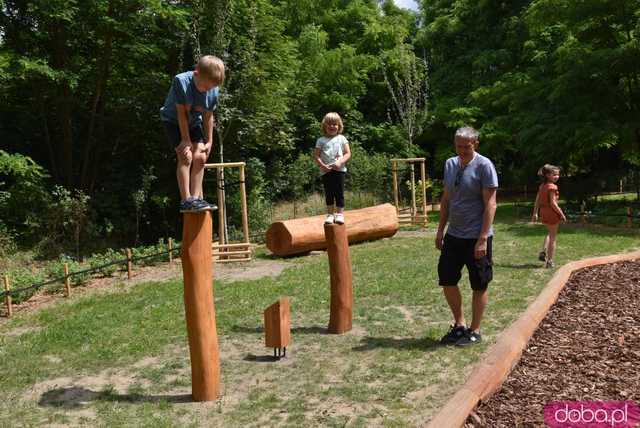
[(394, 174), (7, 300), (67, 281), (243, 202), (340, 319), (423, 177), (221, 214), (197, 270), (629, 217), (413, 194), (170, 244), (129, 264)]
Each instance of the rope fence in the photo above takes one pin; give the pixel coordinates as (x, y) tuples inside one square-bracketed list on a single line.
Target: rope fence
[(130, 259)]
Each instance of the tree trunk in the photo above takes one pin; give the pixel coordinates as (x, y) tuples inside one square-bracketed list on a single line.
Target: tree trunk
[(91, 156)]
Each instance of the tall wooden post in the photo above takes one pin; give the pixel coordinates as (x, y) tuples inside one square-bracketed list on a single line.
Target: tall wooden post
[(67, 281), (340, 319), (243, 202), (394, 174), (170, 250), (423, 177), (197, 270), (129, 264), (221, 215), (629, 217), (7, 299), (413, 194)]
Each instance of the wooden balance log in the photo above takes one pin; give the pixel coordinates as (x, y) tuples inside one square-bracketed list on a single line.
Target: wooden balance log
[(277, 327), (298, 236), (197, 270)]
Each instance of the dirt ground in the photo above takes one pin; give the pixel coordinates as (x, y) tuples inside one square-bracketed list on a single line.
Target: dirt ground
[(587, 348)]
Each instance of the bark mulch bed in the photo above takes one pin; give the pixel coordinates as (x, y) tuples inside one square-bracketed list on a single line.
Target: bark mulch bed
[(587, 348)]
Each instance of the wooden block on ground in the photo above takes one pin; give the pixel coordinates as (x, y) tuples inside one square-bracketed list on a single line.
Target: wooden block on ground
[(277, 324)]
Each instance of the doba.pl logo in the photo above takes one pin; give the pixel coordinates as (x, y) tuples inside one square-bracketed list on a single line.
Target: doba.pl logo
[(592, 414)]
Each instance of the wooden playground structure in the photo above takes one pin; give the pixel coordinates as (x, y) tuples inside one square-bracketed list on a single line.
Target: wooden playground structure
[(223, 250), (410, 214)]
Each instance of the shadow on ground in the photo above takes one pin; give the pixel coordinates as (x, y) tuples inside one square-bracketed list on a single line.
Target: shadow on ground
[(74, 397), (423, 344)]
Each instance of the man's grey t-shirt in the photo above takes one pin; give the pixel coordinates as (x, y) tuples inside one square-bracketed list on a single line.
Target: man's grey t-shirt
[(183, 91), (466, 205)]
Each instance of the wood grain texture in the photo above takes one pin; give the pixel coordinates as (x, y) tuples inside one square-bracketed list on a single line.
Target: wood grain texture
[(198, 302), (340, 318), (277, 324)]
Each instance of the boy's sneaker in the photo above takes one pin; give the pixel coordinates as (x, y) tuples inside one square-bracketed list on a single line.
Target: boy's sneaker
[(549, 264), (339, 218), (455, 333), (202, 205), (469, 338), (187, 206), (542, 256), (329, 219)]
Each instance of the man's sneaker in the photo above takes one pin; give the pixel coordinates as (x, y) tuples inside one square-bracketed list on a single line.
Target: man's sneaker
[(542, 256), (187, 206), (549, 264), (469, 338), (339, 218), (329, 219), (455, 333)]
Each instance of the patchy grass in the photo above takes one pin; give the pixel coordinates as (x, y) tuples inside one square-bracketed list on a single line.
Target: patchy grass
[(122, 358)]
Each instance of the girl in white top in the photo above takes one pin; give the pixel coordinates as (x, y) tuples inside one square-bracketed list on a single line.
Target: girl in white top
[(331, 154)]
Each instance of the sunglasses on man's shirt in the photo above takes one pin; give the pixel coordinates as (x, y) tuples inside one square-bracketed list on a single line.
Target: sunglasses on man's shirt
[(458, 177)]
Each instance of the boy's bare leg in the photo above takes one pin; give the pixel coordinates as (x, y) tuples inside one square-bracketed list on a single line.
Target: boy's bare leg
[(197, 170), (454, 299), (478, 304), (184, 155)]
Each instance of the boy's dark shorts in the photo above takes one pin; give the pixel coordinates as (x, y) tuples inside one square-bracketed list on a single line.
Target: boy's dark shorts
[(172, 130), (458, 252)]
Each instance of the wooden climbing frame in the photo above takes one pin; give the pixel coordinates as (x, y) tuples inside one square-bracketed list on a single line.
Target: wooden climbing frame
[(410, 215), (223, 250)]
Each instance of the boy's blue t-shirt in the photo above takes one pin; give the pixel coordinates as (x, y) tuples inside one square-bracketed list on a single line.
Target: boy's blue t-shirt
[(466, 205), (183, 91)]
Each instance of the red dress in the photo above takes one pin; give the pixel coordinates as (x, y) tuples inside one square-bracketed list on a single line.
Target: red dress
[(546, 191)]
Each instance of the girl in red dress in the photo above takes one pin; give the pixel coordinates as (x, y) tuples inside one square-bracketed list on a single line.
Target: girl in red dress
[(550, 213)]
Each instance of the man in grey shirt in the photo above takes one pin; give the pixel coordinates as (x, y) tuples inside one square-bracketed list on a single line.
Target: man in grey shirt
[(468, 204)]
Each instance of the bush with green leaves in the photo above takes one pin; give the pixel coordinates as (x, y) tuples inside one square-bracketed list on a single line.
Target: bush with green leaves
[(100, 261), (24, 196), (55, 269), (148, 251), (21, 277), (67, 216), (7, 241)]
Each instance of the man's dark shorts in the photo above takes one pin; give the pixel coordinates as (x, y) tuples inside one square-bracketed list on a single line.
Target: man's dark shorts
[(458, 252), (172, 130)]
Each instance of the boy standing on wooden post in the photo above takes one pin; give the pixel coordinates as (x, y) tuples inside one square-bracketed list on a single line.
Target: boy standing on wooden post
[(187, 116)]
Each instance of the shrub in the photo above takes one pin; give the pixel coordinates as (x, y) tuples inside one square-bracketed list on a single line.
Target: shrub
[(55, 269), (102, 259), (21, 277)]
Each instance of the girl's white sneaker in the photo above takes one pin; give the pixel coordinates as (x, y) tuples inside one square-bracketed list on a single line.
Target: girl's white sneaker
[(339, 218), (329, 220)]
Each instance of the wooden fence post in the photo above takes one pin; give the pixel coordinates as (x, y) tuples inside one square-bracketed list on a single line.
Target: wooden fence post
[(7, 287), (129, 264), (170, 250), (629, 217), (67, 281)]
